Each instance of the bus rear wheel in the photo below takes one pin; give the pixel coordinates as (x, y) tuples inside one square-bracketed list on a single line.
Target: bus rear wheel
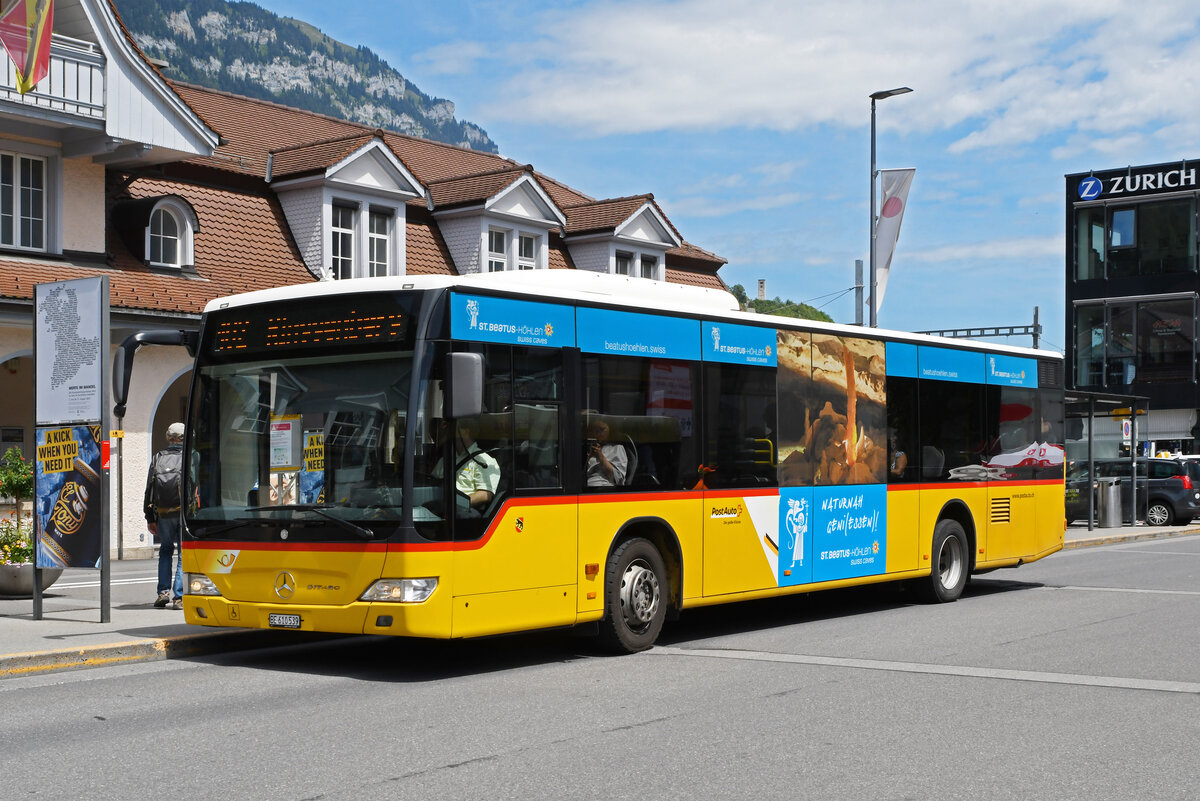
[(635, 603), (951, 565)]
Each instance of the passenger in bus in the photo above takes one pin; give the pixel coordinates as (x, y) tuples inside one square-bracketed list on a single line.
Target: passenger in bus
[(477, 475), (606, 461), (897, 458)]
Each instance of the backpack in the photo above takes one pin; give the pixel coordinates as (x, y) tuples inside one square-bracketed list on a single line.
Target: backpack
[(168, 465)]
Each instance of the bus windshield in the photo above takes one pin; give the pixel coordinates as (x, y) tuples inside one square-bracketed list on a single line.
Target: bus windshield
[(305, 428)]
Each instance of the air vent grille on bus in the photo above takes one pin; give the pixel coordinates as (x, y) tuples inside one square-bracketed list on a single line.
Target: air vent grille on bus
[(1001, 510), (1050, 374)]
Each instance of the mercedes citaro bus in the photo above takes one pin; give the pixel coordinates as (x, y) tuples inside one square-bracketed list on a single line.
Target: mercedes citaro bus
[(454, 457)]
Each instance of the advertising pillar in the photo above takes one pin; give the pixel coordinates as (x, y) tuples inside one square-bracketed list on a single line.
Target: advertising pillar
[(71, 333)]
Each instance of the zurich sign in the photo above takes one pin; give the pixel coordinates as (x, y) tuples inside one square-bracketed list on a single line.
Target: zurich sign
[(1090, 188)]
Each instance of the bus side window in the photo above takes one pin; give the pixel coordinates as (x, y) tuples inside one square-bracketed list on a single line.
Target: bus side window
[(538, 394), (904, 451), (741, 424)]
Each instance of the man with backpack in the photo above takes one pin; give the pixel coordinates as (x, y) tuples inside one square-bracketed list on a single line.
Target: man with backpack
[(163, 502)]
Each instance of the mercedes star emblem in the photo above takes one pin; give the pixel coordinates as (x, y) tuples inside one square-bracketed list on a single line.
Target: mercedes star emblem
[(285, 585)]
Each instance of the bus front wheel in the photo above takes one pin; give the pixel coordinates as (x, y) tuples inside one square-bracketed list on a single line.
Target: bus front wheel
[(950, 563), (635, 604)]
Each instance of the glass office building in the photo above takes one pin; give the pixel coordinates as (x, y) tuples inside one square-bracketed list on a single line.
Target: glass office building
[(1131, 294)]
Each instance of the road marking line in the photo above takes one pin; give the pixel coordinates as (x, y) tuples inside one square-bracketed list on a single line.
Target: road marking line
[(1121, 589), (1190, 688), (94, 583)]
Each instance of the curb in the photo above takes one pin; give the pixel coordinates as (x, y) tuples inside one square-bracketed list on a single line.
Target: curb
[(151, 650), (1112, 539)]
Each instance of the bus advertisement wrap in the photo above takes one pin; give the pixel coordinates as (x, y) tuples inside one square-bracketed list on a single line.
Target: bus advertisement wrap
[(511, 322)]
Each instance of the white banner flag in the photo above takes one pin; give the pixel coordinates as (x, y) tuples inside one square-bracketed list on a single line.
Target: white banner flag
[(894, 186)]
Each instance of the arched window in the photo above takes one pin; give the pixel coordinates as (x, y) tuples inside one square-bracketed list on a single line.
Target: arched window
[(164, 238), (169, 233)]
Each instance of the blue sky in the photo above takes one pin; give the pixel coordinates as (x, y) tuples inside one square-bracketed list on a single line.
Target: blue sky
[(750, 124)]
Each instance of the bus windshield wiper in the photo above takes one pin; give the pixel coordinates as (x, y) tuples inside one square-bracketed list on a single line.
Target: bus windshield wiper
[(320, 509), (209, 531)]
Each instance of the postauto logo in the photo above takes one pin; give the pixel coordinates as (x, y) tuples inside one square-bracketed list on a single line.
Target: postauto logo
[(1090, 188)]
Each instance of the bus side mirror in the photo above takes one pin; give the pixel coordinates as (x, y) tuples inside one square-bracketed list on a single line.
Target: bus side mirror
[(123, 360), (464, 385)]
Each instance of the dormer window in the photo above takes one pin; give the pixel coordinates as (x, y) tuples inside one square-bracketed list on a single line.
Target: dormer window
[(497, 250), (341, 244), (649, 267), (379, 243), (510, 249), (22, 201), (624, 263), (163, 250), (348, 216), (526, 252), (168, 233)]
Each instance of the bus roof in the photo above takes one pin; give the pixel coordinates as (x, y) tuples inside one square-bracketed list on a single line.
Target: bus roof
[(585, 286)]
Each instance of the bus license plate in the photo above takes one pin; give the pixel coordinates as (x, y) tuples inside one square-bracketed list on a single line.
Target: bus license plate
[(283, 621)]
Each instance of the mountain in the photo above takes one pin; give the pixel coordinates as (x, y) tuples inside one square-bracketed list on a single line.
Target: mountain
[(245, 49)]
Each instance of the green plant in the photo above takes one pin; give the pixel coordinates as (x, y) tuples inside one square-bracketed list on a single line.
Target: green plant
[(16, 541), (16, 535), (16, 476)]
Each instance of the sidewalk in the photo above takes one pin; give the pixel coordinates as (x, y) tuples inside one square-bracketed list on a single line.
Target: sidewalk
[(70, 636)]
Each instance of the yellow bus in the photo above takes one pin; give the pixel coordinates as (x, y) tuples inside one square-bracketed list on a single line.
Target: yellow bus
[(466, 456)]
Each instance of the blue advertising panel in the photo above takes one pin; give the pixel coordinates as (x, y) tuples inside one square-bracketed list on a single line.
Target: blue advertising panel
[(1011, 371), (901, 359), (631, 334), (795, 540), (511, 322), (944, 364), (739, 344), (68, 509), (849, 531)]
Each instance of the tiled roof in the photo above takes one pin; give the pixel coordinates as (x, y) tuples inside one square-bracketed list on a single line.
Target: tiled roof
[(708, 280), (315, 157), (602, 215), (426, 252), (607, 215), (259, 255), (473, 189), (690, 257), (251, 128), (262, 252)]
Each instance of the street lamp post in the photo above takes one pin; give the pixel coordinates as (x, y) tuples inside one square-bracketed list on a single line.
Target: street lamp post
[(886, 93)]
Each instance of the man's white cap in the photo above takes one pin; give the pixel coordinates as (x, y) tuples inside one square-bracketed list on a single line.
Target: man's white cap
[(175, 431)]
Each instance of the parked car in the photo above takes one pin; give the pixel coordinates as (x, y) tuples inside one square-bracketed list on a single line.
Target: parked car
[(1168, 489)]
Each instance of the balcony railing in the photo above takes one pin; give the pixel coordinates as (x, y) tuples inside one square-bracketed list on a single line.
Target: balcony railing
[(74, 85)]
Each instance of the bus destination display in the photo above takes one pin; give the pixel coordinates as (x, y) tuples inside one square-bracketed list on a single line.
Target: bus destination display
[(295, 328)]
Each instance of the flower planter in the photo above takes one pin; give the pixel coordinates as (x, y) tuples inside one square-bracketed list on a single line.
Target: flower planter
[(16, 581)]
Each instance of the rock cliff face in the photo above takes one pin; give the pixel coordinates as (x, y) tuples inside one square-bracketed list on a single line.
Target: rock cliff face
[(245, 49)]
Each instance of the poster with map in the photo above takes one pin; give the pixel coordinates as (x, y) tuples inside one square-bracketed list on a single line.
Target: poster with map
[(69, 348)]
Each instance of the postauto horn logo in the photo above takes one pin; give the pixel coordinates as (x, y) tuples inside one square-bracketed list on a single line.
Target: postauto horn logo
[(1090, 188)]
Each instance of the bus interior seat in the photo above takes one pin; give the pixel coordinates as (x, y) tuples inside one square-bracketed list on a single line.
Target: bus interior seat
[(631, 459), (932, 462)]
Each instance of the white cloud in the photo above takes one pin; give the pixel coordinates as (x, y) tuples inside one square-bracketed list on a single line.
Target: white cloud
[(1000, 77), (1010, 249), (451, 58)]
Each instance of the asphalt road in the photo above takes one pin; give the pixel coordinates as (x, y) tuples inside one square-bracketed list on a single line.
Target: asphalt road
[(1074, 678)]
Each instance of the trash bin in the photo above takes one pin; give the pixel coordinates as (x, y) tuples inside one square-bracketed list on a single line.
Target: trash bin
[(1108, 501)]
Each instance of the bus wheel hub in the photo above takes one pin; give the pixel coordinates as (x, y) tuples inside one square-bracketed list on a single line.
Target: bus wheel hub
[(639, 594)]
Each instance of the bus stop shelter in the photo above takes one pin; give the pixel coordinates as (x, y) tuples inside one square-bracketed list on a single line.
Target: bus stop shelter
[(1082, 411)]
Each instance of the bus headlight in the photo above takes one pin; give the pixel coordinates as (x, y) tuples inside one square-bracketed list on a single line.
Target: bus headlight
[(200, 584), (404, 591)]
